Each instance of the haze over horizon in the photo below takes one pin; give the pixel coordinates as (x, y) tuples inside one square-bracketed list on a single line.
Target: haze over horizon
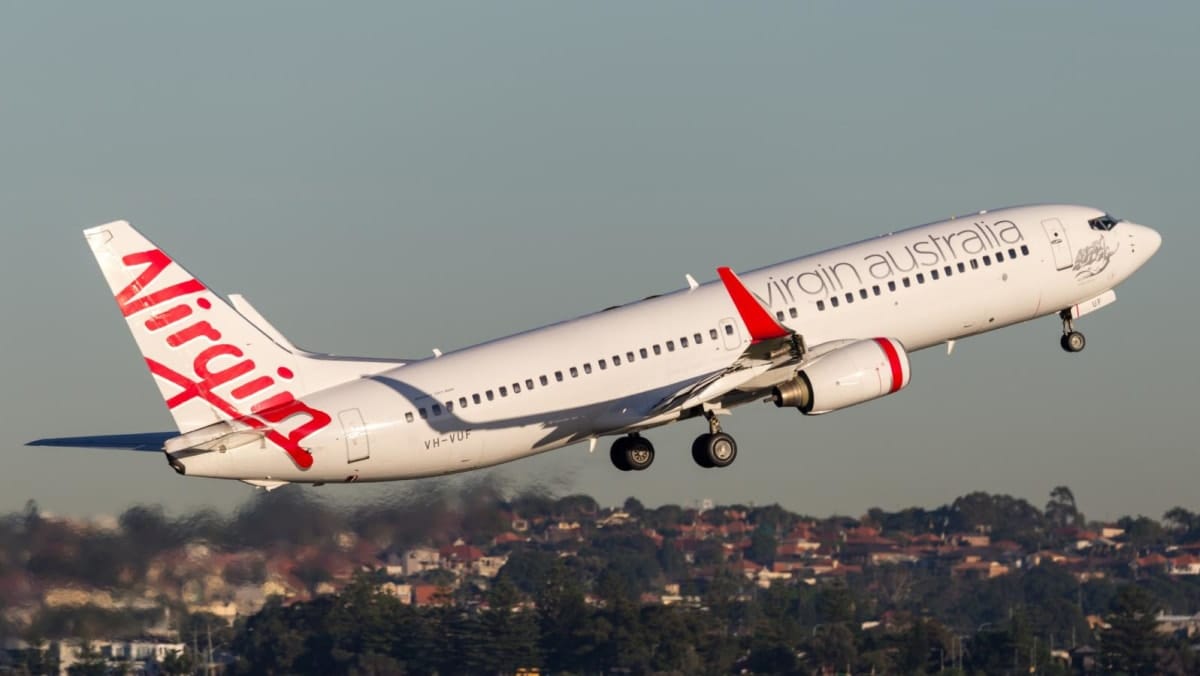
[(385, 179)]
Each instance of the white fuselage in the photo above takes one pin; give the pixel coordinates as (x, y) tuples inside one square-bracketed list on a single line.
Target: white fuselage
[(576, 380)]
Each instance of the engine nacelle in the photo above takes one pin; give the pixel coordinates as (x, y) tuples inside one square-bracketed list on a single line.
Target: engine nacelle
[(861, 371)]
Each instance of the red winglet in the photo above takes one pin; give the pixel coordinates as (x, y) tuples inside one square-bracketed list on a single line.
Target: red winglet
[(758, 320)]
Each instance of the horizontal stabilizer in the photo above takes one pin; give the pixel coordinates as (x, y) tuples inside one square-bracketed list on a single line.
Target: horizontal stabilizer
[(145, 441)]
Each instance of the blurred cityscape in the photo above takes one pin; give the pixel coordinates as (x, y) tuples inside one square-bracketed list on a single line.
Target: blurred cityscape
[(479, 581)]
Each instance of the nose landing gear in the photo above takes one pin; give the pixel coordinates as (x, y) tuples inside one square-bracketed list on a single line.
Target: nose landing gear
[(1072, 340)]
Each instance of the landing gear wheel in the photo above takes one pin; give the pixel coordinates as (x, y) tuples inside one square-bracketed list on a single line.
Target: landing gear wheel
[(631, 453), (617, 455), (1073, 341), (700, 451), (714, 450)]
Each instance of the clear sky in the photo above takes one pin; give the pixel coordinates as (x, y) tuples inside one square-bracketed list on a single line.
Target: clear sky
[(386, 178)]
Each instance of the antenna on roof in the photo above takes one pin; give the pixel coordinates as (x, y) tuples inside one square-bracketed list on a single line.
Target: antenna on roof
[(692, 283)]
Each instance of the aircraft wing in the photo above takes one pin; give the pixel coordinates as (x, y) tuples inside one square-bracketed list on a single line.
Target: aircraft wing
[(772, 345), (149, 442)]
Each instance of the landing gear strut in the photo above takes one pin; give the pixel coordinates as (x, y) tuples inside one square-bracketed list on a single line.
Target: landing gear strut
[(715, 449), (1072, 340), (631, 453)]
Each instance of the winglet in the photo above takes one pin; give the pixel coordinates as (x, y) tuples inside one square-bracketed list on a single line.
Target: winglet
[(758, 320)]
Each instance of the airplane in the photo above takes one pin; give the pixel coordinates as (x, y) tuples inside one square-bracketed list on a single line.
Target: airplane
[(817, 333)]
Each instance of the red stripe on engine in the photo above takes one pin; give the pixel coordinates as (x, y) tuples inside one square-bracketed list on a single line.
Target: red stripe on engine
[(893, 358)]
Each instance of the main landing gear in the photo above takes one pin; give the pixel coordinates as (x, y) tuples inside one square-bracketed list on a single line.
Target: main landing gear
[(715, 449), (1072, 340), (631, 453)]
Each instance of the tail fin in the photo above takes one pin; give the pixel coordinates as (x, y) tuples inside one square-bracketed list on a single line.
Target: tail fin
[(211, 364)]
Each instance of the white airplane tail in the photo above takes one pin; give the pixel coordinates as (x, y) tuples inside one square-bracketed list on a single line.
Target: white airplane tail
[(211, 363)]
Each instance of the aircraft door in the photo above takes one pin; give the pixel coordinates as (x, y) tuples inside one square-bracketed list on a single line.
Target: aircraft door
[(358, 446), (730, 334), (1060, 246)]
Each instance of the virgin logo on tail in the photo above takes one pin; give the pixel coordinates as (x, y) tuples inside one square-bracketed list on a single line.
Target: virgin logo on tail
[(180, 324)]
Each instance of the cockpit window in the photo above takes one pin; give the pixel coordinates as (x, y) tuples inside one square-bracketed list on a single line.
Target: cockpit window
[(1105, 222)]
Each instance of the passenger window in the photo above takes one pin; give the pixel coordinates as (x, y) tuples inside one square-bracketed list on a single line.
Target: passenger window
[(987, 260), (462, 402), (700, 339), (543, 380), (862, 293), (645, 355), (712, 333), (516, 388), (423, 414), (587, 368), (408, 417), (974, 264), (437, 409), (475, 398), (962, 267), (892, 286), (529, 383), (821, 305), (949, 270), (791, 311), (849, 297), (629, 357), (657, 350), (490, 396), (1012, 253), (933, 274), (503, 391), (449, 406), (670, 346), (684, 343), (999, 256), (729, 329), (603, 364), (558, 376), (875, 290), (906, 282), (920, 278), (779, 315), (574, 372), (1024, 250), (833, 300)]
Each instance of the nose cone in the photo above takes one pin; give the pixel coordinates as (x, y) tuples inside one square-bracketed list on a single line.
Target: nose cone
[(1153, 241), (1146, 241)]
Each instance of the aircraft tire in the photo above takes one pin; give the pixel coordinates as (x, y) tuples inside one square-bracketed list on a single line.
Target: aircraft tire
[(617, 454), (700, 451), (1073, 341), (721, 449), (638, 453)]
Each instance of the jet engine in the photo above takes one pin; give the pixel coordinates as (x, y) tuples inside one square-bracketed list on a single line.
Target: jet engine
[(861, 371)]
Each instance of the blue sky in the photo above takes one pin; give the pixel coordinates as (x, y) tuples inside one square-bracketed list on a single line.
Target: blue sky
[(387, 178)]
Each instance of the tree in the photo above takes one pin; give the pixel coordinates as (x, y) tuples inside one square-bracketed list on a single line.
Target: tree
[(833, 648), (511, 634), (1061, 510), (763, 544), (177, 664), (1131, 643)]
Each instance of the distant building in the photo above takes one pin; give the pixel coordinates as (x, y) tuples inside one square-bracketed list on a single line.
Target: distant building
[(420, 559)]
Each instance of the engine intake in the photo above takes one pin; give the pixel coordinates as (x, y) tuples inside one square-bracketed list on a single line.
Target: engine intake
[(859, 372)]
